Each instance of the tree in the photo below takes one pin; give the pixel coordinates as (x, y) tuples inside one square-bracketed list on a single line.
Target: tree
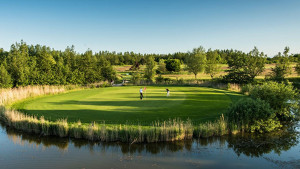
[(297, 68), (88, 63), (149, 71), (45, 65), (255, 63), (136, 78), (282, 68), (243, 68), (196, 61), (61, 72), (173, 65), (5, 78), (18, 64), (161, 67), (212, 63), (107, 71)]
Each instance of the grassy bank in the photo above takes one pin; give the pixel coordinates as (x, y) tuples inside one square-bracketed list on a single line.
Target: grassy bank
[(159, 130)]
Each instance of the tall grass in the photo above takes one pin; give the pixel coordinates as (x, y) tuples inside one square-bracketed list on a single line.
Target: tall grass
[(171, 130), (160, 131), (8, 96), (209, 129)]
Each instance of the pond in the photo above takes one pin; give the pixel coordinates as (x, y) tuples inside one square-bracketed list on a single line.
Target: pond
[(27, 151)]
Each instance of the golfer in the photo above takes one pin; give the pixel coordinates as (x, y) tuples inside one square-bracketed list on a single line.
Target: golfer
[(168, 92), (141, 94)]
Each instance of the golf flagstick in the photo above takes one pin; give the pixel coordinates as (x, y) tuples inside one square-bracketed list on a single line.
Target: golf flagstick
[(145, 91)]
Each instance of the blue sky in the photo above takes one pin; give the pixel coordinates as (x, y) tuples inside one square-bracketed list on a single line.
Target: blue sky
[(152, 26)]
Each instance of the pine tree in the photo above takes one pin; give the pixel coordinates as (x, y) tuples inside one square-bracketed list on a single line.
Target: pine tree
[(5, 78)]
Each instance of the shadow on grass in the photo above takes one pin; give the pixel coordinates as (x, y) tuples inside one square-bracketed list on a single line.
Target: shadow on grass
[(198, 106)]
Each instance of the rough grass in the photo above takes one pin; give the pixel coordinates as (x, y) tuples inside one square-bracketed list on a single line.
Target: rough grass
[(121, 105)]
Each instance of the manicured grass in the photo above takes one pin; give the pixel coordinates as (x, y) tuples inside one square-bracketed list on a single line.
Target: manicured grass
[(121, 105)]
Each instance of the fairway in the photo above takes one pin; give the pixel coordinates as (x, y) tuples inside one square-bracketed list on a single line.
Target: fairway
[(120, 105)]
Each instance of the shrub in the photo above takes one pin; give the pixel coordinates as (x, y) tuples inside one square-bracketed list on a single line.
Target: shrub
[(159, 79), (281, 70), (161, 67), (180, 81), (252, 115), (173, 65), (136, 78), (281, 97)]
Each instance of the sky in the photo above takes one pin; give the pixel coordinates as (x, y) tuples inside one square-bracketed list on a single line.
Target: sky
[(152, 26)]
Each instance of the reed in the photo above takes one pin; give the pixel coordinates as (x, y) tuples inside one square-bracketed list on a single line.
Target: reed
[(8, 96), (160, 131), (209, 129)]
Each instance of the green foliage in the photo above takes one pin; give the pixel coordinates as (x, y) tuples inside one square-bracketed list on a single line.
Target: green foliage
[(212, 64), (107, 71), (297, 68), (281, 97), (159, 79), (268, 125), (136, 78), (41, 65), (245, 67), (5, 79), (161, 67), (173, 65), (18, 64), (209, 129), (149, 71), (252, 115), (282, 68), (196, 61)]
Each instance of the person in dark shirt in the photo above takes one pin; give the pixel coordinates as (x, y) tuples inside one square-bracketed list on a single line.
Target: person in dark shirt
[(141, 94)]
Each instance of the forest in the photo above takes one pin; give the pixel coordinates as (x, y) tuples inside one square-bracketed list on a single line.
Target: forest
[(27, 64)]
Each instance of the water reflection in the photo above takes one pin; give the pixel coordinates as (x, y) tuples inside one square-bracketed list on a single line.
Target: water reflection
[(23, 139), (255, 145), (251, 145)]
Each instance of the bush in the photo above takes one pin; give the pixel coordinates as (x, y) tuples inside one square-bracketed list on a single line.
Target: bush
[(136, 78), (246, 88), (252, 115), (159, 79), (281, 97), (180, 81), (173, 65), (161, 67)]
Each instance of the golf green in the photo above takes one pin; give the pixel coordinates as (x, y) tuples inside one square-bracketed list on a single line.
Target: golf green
[(119, 105)]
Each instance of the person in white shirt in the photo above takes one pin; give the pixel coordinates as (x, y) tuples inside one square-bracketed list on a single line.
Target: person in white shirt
[(168, 92), (141, 94)]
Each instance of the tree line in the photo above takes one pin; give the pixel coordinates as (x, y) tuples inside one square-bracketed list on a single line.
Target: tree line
[(40, 65), (26, 65), (242, 67)]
